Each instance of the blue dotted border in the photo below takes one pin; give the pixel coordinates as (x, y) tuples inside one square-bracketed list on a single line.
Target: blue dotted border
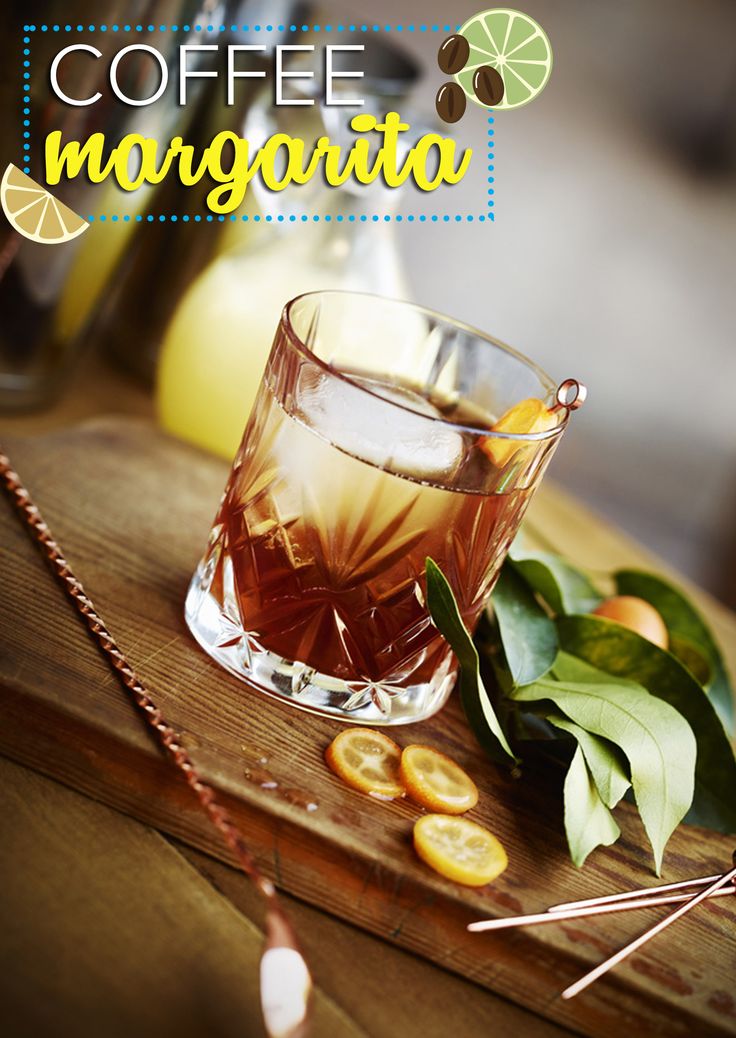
[(26, 143), (488, 216), (491, 168), (244, 28), (326, 218)]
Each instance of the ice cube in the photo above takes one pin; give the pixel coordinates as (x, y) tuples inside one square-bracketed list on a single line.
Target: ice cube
[(371, 420)]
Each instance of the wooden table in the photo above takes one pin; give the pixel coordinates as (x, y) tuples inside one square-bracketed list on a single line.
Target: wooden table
[(113, 928)]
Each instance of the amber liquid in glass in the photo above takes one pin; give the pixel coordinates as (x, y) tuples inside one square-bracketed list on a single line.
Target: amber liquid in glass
[(328, 551)]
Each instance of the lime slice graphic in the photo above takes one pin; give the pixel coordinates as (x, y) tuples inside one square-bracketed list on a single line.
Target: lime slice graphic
[(34, 212), (513, 43)]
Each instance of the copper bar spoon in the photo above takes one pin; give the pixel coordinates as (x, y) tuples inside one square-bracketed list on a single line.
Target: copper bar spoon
[(285, 979)]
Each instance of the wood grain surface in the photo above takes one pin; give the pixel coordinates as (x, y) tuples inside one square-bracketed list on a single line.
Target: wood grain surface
[(109, 929), (132, 510)]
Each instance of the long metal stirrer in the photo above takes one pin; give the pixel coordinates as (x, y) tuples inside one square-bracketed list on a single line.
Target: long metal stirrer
[(631, 895), (619, 956), (600, 908), (284, 1005)]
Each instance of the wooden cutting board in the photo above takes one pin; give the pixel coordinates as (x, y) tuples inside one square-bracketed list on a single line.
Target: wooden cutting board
[(132, 510)]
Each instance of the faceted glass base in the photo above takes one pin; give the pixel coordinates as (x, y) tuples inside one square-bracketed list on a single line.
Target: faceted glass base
[(213, 616)]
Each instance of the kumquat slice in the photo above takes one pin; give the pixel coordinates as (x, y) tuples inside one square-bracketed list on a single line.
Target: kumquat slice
[(528, 416), (367, 761), (436, 782), (459, 849)]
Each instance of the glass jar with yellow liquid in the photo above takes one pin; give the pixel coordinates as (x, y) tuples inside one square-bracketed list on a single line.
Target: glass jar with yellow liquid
[(215, 349), (50, 295)]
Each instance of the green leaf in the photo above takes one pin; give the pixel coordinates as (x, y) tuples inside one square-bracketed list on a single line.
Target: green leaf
[(528, 635), (658, 743), (564, 588), (683, 619), (692, 658), (473, 696), (624, 654), (588, 822), (605, 761)]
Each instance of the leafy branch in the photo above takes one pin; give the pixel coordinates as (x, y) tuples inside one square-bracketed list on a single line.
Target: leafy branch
[(635, 716)]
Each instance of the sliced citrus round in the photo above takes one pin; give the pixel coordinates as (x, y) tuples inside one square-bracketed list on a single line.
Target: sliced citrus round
[(436, 782), (516, 46), (459, 849), (34, 212), (528, 416), (368, 761)]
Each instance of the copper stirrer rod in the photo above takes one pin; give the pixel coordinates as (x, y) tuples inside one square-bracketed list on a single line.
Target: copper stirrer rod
[(569, 395), (601, 906), (686, 894), (285, 980), (622, 953), (634, 895)]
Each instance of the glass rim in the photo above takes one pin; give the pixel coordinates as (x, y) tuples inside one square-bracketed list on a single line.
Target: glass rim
[(286, 325)]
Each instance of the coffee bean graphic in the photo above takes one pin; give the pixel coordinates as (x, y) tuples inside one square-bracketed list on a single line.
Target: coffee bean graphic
[(488, 86), (450, 102), (453, 54)]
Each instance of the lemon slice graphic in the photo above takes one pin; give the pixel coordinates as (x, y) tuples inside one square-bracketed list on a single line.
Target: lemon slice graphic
[(515, 45), (34, 212)]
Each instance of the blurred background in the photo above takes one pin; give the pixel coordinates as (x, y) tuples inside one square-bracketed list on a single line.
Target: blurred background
[(612, 257)]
